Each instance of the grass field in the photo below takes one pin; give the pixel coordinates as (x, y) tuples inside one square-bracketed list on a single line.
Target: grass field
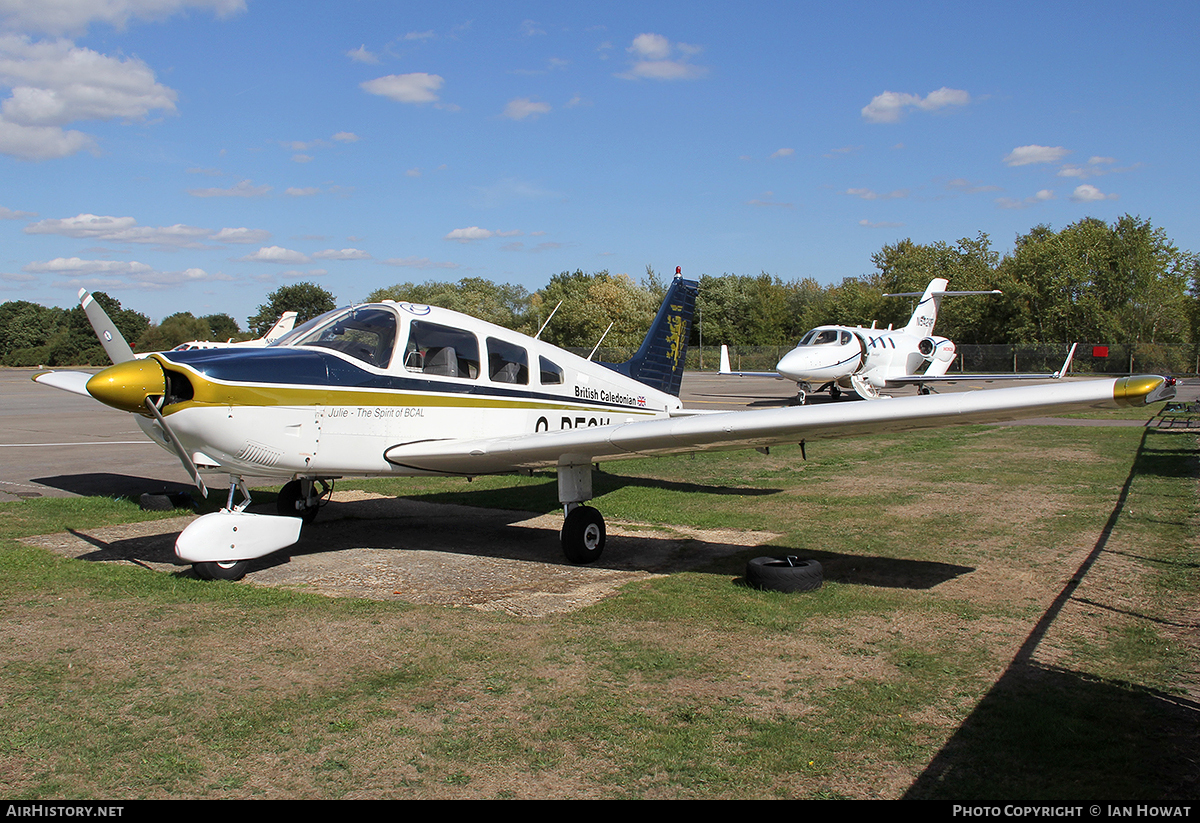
[(1008, 613)]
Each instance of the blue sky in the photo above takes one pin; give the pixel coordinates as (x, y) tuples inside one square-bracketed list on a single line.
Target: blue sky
[(197, 155)]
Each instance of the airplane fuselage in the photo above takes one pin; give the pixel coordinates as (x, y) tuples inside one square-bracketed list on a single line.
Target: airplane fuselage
[(846, 356), (335, 396)]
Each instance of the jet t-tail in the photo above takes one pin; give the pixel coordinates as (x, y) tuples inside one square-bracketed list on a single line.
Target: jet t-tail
[(400, 389)]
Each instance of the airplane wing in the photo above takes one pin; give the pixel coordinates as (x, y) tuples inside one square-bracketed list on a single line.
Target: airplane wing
[(920, 379), (769, 427)]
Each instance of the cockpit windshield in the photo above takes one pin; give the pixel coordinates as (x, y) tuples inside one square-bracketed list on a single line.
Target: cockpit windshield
[(821, 337), (367, 334)]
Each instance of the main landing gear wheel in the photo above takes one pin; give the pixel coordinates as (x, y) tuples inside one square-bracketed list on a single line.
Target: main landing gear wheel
[(293, 502), (224, 570), (583, 535)]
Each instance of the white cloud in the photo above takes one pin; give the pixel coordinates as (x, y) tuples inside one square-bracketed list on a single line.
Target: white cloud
[(868, 194), (307, 191), (653, 54), (346, 137), (417, 87), (342, 254), (242, 189), (9, 214), (1093, 168), (1028, 155), (75, 265), (276, 254), (54, 83), (1041, 196), (121, 230), (1090, 194), (74, 16), (523, 107), (361, 55), (651, 47), (782, 153), (890, 106), (241, 235)]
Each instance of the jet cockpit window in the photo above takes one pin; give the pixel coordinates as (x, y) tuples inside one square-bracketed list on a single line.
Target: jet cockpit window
[(507, 363), (441, 350), (366, 334), (821, 337)]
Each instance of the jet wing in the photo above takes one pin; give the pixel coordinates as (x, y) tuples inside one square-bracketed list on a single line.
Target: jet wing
[(769, 427), (921, 380)]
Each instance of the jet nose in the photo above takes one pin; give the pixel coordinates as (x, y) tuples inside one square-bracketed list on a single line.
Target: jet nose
[(795, 364), (126, 386)]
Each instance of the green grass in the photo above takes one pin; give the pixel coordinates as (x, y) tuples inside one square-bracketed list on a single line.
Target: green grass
[(926, 666)]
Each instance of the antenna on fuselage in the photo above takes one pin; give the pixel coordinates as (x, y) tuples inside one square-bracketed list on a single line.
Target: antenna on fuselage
[(601, 340), (539, 333)]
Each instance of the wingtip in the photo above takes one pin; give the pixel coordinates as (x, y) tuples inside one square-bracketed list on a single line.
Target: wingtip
[(1142, 389)]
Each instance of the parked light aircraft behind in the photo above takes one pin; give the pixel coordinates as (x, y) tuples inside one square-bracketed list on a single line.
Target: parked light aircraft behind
[(867, 360), (118, 349), (395, 389), (283, 325)]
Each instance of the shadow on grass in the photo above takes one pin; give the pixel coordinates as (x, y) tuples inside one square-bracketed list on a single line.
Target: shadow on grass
[(1047, 733)]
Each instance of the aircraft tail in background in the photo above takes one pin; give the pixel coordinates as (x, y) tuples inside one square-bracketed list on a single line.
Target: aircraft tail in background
[(659, 361)]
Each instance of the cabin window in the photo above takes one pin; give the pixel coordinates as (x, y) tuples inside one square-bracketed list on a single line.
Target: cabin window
[(845, 337), (551, 373), (507, 363), (365, 334), (441, 350)]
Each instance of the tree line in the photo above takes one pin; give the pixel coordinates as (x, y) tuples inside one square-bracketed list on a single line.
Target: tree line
[(1125, 284)]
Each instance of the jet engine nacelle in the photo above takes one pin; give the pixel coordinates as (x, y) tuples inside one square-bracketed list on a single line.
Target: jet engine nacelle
[(936, 348)]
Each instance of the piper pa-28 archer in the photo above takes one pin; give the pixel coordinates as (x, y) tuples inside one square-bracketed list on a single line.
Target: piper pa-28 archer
[(867, 360), (393, 389)]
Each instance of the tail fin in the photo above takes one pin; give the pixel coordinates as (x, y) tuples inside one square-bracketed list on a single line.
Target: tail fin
[(660, 360), (282, 326), (111, 339), (925, 315)]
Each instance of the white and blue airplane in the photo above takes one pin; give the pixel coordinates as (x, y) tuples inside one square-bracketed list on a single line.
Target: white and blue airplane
[(398, 389), (844, 358)]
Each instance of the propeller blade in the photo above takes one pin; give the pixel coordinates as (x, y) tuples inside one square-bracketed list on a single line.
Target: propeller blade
[(114, 343)]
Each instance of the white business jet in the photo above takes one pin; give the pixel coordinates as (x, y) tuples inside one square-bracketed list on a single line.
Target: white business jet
[(394, 389), (866, 360)]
